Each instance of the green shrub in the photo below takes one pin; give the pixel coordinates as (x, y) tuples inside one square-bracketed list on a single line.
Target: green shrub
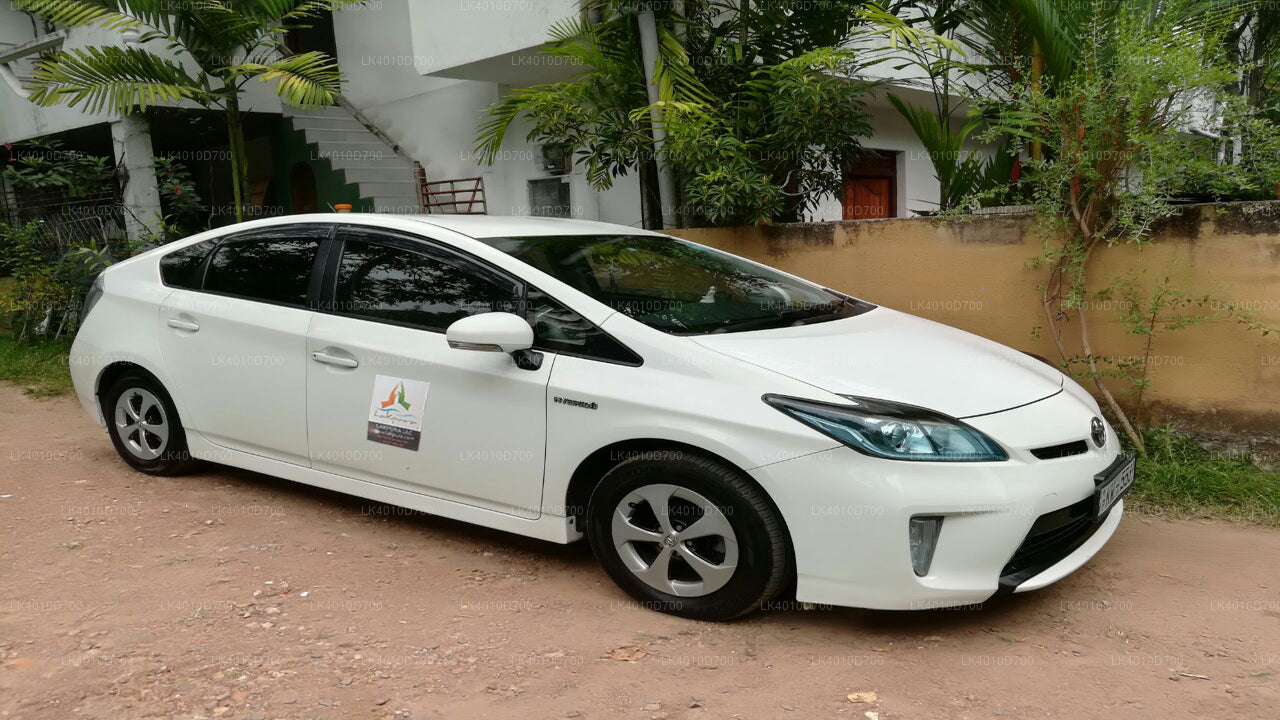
[(1182, 476)]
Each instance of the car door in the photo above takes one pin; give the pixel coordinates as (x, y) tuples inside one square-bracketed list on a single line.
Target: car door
[(234, 341), (390, 402)]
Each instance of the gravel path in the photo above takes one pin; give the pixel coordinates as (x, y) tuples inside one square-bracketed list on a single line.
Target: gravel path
[(235, 595)]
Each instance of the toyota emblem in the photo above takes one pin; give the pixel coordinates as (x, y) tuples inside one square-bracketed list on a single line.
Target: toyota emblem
[(1098, 432)]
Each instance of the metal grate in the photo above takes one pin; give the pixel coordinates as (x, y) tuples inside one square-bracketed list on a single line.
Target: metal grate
[(461, 196), (1052, 537), (69, 221)]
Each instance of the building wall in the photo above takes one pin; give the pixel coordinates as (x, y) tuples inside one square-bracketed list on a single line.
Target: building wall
[(394, 53), (464, 38), (21, 120), (973, 273), (289, 147)]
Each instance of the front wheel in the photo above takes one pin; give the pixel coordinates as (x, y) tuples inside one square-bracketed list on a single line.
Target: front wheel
[(688, 535), (144, 426)]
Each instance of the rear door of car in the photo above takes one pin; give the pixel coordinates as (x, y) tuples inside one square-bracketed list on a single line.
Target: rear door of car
[(234, 338)]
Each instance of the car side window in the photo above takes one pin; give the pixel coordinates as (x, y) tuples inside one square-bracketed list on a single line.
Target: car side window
[(558, 329), (275, 268), (423, 287), (182, 267)]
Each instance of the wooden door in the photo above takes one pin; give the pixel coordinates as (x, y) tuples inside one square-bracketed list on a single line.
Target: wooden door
[(868, 198)]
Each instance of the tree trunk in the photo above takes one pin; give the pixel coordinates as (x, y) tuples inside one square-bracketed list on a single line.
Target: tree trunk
[(1037, 70), (1051, 299), (239, 163), (650, 197)]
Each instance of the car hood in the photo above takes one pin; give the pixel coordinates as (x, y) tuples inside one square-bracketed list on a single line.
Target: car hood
[(890, 355)]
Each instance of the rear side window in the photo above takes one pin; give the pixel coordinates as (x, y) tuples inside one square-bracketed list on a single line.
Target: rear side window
[(181, 268), (424, 289), (272, 269)]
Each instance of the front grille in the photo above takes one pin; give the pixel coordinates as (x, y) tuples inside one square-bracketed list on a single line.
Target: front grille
[(1079, 447), (1054, 536)]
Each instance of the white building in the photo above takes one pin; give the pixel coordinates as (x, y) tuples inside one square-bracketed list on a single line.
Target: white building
[(426, 71), (419, 76)]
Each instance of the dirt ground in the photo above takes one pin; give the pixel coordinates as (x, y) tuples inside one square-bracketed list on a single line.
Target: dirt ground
[(235, 595)]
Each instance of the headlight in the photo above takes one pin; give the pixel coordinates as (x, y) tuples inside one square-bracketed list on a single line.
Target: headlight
[(891, 430)]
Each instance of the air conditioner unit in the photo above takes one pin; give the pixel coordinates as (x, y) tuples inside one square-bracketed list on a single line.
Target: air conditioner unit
[(555, 159)]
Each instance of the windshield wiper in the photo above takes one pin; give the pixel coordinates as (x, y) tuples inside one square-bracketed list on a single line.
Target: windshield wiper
[(792, 318)]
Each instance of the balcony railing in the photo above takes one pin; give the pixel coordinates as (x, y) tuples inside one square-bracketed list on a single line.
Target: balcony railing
[(460, 196)]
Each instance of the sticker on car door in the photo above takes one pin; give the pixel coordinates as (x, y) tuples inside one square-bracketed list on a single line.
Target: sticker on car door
[(395, 413)]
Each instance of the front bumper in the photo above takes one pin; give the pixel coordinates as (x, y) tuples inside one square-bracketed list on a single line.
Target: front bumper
[(848, 516)]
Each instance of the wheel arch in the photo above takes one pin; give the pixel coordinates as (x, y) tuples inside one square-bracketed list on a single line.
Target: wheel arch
[(592, 469), (118, 369)]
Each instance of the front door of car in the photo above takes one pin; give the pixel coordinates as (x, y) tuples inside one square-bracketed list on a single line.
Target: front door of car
[(233, 339), (389, 401)]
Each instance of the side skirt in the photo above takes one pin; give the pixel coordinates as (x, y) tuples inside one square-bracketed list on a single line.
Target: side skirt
[(552, 528)]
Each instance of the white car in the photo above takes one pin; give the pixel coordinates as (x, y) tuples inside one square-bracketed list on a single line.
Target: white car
[(720, 431)]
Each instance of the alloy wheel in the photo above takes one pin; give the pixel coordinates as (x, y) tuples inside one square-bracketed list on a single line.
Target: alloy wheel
[(141, 424), (675, 540)]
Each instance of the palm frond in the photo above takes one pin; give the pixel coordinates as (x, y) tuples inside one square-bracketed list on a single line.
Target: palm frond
[(74, 13), (676, 79), (214, 32), (114, 78), (307, 79), (577, 41), (499, 118)]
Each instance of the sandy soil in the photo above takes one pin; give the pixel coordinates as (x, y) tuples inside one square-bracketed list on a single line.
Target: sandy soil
[(235, 595)]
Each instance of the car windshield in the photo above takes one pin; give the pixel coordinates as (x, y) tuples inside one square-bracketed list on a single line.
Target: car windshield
[(678, 286)]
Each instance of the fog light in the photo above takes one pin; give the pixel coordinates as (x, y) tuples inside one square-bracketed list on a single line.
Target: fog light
[(923, 535)]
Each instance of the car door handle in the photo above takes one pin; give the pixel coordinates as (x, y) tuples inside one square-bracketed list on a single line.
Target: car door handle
[(328, 359), (179, 324)]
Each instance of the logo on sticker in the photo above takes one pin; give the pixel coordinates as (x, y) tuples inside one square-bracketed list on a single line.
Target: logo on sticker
[(395, 412)]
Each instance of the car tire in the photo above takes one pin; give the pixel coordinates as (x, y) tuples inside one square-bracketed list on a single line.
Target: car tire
[(674, 567), (144, 425)]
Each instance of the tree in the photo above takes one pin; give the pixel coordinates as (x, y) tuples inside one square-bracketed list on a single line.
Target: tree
[(594, 115), (1112, 116), (213, 48), (962, 174), (761, 101)]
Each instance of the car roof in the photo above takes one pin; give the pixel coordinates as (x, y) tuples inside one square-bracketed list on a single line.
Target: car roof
[(487, 226)]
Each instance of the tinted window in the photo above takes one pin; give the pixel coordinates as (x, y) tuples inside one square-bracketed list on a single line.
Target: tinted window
[(559, 329), (677, 286), (427, 289), (181, 268), (272, 269)]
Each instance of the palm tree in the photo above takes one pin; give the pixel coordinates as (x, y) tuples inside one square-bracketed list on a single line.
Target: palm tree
[(753, 133), (598, 114), (213, 48)]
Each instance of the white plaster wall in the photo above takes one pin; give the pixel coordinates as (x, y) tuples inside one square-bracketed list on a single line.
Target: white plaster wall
[(21, 120), (387, 48), (450, 33), (377, 56)]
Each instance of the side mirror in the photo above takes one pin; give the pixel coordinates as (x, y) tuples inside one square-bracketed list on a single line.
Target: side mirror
[(491, 332)]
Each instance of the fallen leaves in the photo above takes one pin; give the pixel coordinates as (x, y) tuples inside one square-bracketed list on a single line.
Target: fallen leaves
[(626, 654)]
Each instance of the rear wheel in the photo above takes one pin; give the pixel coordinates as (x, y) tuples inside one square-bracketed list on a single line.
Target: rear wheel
[(144, 425), (688, 535)]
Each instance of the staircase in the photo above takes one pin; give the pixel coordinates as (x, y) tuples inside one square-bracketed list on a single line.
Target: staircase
[(18, 60), (383, 175)]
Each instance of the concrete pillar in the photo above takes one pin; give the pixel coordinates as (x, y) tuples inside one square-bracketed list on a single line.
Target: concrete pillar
[(131, 145)]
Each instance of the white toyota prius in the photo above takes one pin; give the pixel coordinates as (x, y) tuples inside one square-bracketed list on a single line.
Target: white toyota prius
[(720, 431)]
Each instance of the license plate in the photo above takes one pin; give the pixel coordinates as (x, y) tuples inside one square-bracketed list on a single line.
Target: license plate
[(1113, 483)]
